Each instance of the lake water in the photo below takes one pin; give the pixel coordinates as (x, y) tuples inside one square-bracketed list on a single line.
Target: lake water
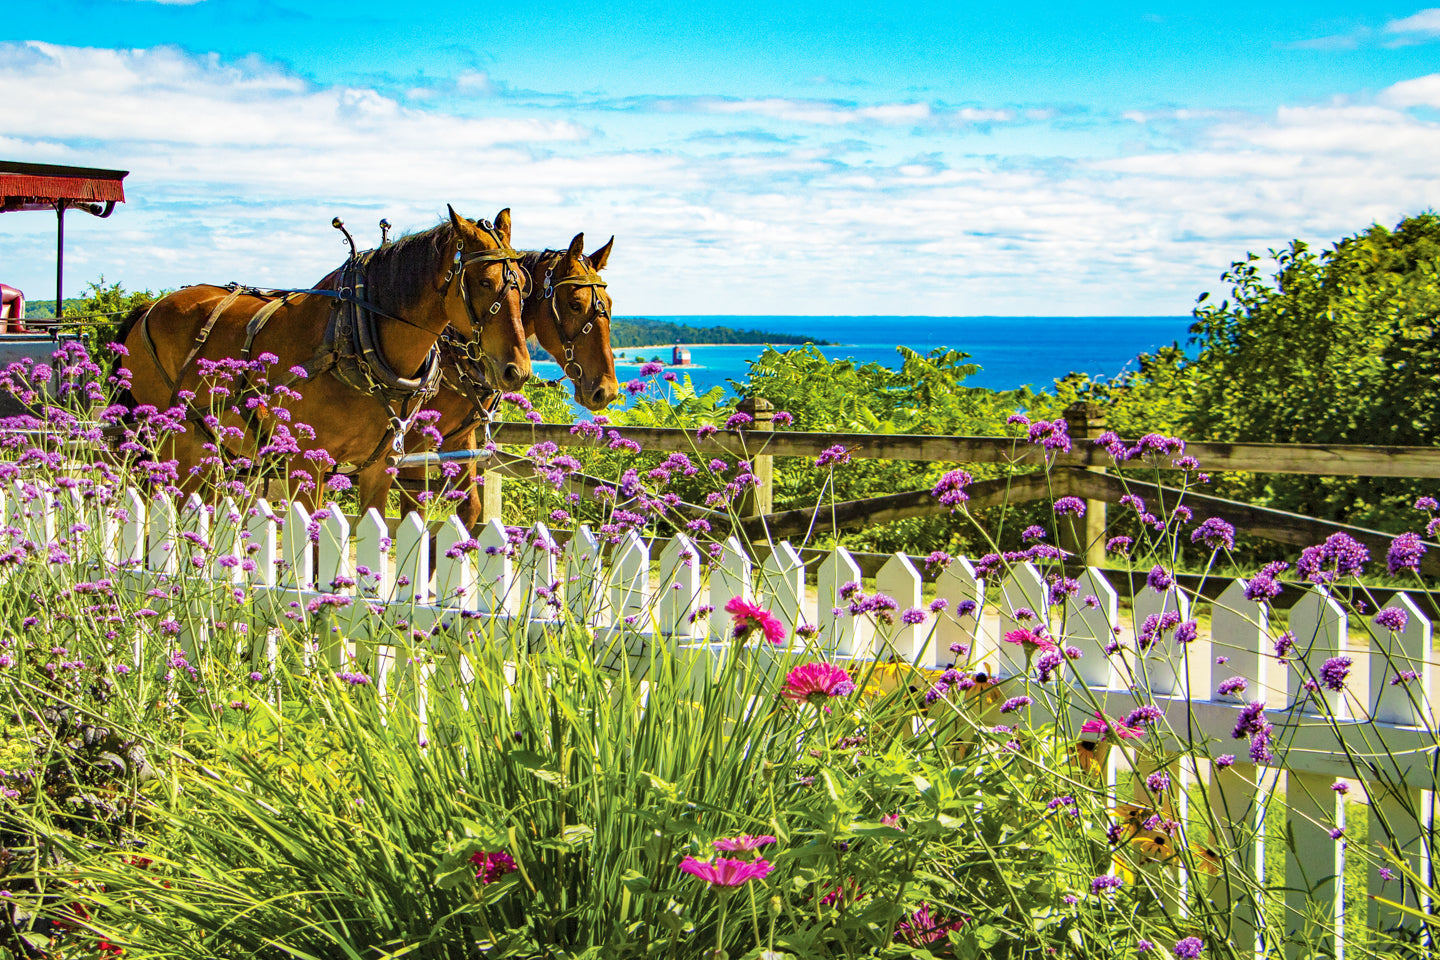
[(1011, 351)]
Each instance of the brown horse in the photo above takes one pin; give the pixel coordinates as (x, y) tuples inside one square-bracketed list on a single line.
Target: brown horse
[(569, 313), (362, 356)]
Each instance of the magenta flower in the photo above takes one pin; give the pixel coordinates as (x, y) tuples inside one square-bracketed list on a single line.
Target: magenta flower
[(749, 616), (1031, 640), (832, 456), (744, 842), (723, 872), (490, 867), (1111, 729), (817, 682)]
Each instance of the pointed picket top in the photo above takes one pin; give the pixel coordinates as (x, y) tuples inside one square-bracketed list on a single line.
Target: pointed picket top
[(958, 586), (584, 584), (629, 570), (260, 545), (730, 577), (1160, 668), (297, 558), (454, 564), (782, 584), (162, 535), (194, 520), (841, 635), (1240, 632), (1091, 628), (412, 559), (228, 547), (1319, 624), (679, 587), (494, 570), (1022, 588), (133, 517), (372, 556), (102, 520), (1400, 654), (332, 560), (536, 572), (900, 581)]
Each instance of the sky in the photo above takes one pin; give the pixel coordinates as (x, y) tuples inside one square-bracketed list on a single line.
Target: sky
[(935, 159)]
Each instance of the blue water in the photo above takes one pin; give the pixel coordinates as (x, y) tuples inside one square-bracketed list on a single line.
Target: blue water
[(1011, 351)]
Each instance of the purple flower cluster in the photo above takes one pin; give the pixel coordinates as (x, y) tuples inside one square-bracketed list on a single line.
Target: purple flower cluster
[(1215, 534), (1338, 557), (1392, 618), (950, 490), (1051, 434), (1404, 554), (1334, 671), (1159, 579), (833, 456), (1070, 507), (1264, 585), (1252, 723)]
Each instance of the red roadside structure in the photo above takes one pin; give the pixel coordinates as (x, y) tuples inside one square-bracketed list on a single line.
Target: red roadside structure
[(44, 186)]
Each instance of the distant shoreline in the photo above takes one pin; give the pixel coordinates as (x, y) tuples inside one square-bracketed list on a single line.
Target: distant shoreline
[(768, 343)]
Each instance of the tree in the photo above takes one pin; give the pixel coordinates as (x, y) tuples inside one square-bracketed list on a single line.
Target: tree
[(1335, 347)]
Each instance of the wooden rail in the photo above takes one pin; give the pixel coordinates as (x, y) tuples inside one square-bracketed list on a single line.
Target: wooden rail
[(1319, 459)]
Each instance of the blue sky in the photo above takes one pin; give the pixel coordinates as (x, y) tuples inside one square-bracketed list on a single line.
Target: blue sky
[(919, 158)]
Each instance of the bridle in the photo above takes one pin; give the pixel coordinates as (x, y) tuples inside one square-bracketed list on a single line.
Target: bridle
[(515, 277), (598, 311)]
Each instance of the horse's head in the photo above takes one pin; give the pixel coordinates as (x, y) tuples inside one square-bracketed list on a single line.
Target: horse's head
[(493, 286), (569, 314)]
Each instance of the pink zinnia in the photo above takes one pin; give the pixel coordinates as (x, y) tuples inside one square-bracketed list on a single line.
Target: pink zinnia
[(749, 616), (818, 682), (490, 867), (723, 872), (1030, 640), (744, 842), (1108, 728)]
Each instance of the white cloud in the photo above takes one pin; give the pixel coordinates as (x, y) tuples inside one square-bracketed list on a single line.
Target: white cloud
[(1425, 22), (1419, 92), (239, 166)]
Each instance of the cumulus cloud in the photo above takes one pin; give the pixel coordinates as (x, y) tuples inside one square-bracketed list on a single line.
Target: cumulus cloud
[(730, 205)]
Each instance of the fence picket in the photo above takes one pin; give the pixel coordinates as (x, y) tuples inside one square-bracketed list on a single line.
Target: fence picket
[(1314, 882), (1160, 668), (455, 580), (226, 544), (494, 570), (297, 555), (730, 577), (1021, 589), (133, 516), (412, 560), (846, 635), (911, 643), (584, 581), (629, 571), (679, 588), (1402, 656), (1320, 625), (536, 573), (1240, 632), (782, 587), (1091, 628), (957, 585), (161, 535), (332, 552)]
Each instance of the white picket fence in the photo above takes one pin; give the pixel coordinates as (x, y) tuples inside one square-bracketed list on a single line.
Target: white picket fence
[(368, 583)]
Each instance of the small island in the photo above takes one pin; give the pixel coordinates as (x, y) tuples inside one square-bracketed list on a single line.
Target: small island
[(640, 332)]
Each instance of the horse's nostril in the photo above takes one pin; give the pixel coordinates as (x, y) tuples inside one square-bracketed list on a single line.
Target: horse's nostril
[(598, 397), (513, 376)]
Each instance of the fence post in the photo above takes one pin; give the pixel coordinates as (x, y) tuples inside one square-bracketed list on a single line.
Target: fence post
[(490, 496), (1086, 421), (760, 499)]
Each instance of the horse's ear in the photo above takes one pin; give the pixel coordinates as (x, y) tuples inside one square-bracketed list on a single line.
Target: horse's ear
[(599, 258), (456, 221), (502, 224), (577, 246)]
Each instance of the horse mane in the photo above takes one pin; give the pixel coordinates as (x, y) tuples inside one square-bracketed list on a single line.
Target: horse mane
[(532, 260), (411, 260)]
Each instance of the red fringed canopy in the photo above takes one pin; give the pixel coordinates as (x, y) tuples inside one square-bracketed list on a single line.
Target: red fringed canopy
[(31, 186)]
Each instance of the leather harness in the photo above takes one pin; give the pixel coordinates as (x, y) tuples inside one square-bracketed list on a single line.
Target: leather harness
[(350, 349)]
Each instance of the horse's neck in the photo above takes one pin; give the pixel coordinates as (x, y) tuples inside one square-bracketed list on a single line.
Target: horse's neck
[(404, 279)]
